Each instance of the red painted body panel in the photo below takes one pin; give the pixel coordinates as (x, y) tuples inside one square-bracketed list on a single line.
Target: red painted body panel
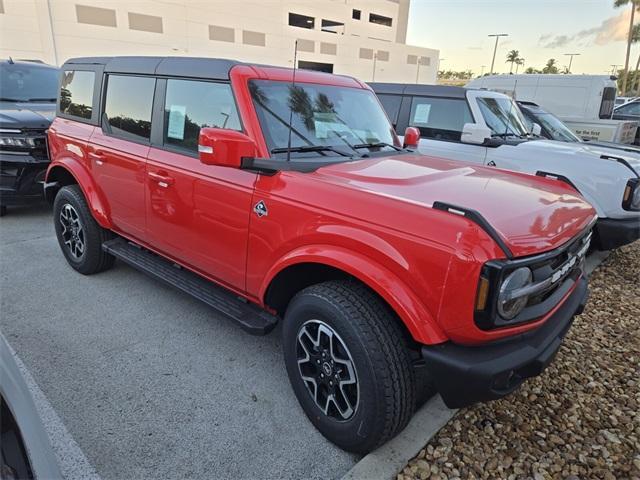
[(371, 218)]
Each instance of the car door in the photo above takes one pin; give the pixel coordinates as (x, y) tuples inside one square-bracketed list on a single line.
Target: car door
[(118, 151), (440, 121), (197, 214)]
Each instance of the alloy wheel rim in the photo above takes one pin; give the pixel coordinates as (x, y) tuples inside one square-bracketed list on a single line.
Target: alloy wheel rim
[(72, 231), (327, 370)]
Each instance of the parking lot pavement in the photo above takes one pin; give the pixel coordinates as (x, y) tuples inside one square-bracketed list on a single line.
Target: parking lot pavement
[(146, 379)]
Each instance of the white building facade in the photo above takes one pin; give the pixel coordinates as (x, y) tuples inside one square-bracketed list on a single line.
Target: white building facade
[(362, 38)]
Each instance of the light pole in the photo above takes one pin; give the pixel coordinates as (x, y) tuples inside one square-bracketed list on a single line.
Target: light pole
[(375, 57), (571, 55), (495, 48)]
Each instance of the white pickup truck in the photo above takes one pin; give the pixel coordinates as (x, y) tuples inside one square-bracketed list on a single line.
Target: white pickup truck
[(487, 127)]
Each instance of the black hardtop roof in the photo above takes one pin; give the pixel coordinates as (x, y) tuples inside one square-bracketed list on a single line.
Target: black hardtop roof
[(415, 89), (199, 67)]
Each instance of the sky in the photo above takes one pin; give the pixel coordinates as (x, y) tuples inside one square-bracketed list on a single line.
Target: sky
[(539, 30)]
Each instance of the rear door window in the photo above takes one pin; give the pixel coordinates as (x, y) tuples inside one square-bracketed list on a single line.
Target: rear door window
[(630, 109), (608, 102), (192, 105), (76, 93), (127, 108), (440, 118)]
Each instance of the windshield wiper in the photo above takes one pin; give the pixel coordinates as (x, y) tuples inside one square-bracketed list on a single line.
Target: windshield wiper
[(376, 145), (311, 148), (16, 100), (47, 99), (505, 135)]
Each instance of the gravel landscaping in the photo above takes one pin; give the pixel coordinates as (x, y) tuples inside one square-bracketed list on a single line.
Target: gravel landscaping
[(580, 419)]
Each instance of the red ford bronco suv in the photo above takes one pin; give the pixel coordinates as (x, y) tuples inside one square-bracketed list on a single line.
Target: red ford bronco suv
[(276, 196)]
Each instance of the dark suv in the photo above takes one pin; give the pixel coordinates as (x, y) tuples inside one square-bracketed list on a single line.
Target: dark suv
[(28, 92)]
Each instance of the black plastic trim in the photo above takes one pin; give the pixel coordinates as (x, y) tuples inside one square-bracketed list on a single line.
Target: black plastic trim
[(555, 176), (477, 218), (613, 233), (464, 375), (622, 161), (270, 166)]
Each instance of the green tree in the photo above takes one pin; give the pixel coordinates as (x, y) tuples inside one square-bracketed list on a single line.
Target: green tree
[(513, 56), (551, 66), (634, 5), (519, 63)]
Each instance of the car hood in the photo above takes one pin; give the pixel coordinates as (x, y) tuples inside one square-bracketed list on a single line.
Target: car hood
[(531, 214), (577, 150), (26, 115)]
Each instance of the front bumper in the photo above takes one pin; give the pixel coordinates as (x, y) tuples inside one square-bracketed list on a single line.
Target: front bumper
[(464, 375), (613, 233), (21, 178)]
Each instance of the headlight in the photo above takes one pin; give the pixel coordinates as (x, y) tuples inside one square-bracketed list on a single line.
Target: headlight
[(20, 142), (631, 197), (512, 299)]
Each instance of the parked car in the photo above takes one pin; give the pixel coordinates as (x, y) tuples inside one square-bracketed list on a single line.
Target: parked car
[(487, 128), (25, 449), (378, 261), (629, 111), (583, 102), (622, 100), (28, 93), (553, 128)]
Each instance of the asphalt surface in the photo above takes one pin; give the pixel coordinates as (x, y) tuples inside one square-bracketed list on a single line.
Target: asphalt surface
[(148, 381)]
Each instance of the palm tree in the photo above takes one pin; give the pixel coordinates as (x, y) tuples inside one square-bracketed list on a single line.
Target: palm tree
[(635, 38), (634, 5), (519, 63), (512, 57), (550, 67)]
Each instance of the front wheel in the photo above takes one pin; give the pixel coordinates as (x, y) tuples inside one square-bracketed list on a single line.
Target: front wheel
[(348, 364), (79, 235)]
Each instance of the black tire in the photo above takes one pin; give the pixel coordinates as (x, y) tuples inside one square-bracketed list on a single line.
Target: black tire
[(377, 347), (92, 259), (3, 210)]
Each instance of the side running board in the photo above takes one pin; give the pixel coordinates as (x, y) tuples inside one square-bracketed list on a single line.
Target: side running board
[(250, 317)]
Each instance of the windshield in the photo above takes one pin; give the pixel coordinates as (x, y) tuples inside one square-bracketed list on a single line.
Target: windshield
[(339, 118), (21, 82), (551, 124), (502, 116)]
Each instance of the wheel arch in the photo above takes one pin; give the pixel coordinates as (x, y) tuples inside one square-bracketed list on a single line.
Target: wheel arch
[(306, 267), (68, 171)]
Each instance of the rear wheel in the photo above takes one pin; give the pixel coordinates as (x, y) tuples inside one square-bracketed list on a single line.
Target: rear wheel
[(79, 235), (348, 364)]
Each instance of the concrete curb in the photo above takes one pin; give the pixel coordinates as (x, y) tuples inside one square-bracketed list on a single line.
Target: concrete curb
[(71, 460), (388, 460)]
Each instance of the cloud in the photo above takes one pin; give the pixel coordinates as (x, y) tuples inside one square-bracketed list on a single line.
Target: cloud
[(613, 29)]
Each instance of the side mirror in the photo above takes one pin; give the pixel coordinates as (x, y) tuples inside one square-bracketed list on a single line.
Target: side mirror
[(411, 137), (475, 134), (224, 148), (536, 129)]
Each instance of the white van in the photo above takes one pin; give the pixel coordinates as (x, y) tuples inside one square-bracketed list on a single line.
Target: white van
[(488, 128), (583, 102)]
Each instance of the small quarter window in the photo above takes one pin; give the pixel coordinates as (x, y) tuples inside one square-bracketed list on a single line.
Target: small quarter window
[(356, 14), (192, 105), (128, 105), (76, 93)]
